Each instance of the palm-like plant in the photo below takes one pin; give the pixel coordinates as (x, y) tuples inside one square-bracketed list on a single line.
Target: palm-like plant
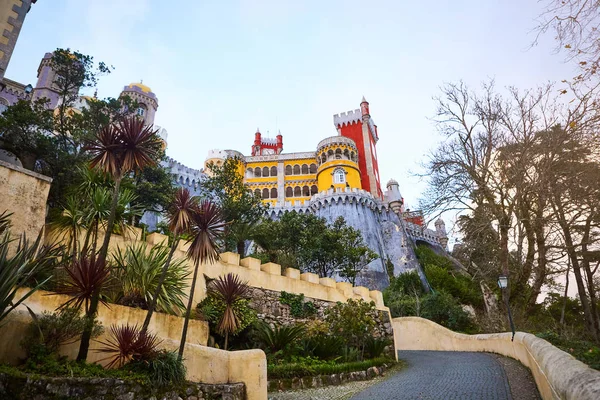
[(279, 337), (17, 269), (118, 150), (138, 272), (70, 222), (229, 290), (85, 276), (180, 215), (127, 343), (206, 227)]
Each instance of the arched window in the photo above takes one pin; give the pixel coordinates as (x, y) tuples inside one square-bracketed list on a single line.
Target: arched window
[(249, 173), (314, 190), (257, 173), (346, 154), (273, 193), (265, 171), (330, 155), (296, 170), (297, 191), (288, 169), (265, 193), (289, 192), (273, 171), (187, 181), (181, 180), (339, 176), (352, 156), (305, 191), (338, 152), (3, 104), (323, 158), (304, 169), (141, 111), (257, 192), (313, 168)]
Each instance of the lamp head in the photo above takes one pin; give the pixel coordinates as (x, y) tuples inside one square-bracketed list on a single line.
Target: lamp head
[(503, 282), (28, 89)]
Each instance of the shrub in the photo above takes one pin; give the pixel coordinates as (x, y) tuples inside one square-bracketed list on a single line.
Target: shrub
[(402, 306), (308, 366), (442, 308), (585, 351), (211, 310), (350, 354), (279, 338), (298, 307), (374, 347), (46, 333), (324, 347), (408, 284), (128, 343), (162, 368), (353, 321), (459, 286), (137, 273)]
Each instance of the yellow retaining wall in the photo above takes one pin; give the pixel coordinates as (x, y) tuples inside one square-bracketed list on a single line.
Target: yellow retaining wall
[(23, 193), (204, 364), (557, 374)]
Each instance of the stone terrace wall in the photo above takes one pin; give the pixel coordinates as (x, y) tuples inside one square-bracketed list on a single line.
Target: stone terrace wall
[(270, 310), (44, 388), (23, 193)]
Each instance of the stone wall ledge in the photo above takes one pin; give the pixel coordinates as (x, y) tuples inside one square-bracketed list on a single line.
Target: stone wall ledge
[(557, 374), (25, 171), (308, 382), (46, 388)]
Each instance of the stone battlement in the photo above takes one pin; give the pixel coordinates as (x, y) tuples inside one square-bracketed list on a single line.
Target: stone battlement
[(347, 118)]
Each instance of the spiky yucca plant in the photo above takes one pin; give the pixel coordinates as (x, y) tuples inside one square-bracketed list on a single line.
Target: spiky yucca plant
[(118, 150), (127, 343), (279, 337), (229, 290), (180, 216), (85, 276), (137, 273), (206, 227)]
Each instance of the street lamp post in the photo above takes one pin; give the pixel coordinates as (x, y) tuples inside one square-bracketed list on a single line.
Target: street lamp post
[(503, 284)]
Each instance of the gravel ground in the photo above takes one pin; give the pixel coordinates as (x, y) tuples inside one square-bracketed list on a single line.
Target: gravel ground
[(435, 375)]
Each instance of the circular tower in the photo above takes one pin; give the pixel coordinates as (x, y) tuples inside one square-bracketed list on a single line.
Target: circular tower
[(394, 198), (146, 99), (337, 160)]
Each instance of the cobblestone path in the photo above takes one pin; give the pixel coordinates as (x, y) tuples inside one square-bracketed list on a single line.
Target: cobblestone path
[(442, 375)]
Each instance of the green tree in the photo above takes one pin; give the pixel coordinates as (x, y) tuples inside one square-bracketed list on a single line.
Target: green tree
[(241, 208), (354, 321), (25, 131), (355, 255)]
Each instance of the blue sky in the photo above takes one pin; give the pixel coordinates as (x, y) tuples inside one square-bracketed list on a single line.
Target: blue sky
[(223, 68)]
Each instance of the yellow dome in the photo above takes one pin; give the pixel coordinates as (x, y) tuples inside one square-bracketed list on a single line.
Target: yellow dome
[(141, 86)]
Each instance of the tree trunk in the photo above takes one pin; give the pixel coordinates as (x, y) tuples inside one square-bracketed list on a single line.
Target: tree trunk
[(87, 332), (565, 296), (542, 262), (585, 263), (161, 280), (241, 247), (188, 313)]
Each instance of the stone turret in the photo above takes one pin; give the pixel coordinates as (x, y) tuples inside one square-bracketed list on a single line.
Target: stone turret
[(440, 228), (393, 196)]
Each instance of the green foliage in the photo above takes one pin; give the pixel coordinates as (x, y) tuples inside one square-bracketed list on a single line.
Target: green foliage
[(353, 321), (585, 351), (46, 333), (322, 346), (403, 295), (153, 188), (407, 284), (225, 185), (279, 338), (136, 275), (163, 368), (427, 256), (443, 309), (309, 366), (308, 243), (128, 343), (298, 307), (374, 347), (459, 286), (16, 268), (211, 310)]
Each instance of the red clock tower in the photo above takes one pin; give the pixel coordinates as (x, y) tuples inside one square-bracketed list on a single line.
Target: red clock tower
[(264, 146), (360, 127)]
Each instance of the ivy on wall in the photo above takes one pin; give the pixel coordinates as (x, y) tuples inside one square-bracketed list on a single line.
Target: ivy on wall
[(298, 307)]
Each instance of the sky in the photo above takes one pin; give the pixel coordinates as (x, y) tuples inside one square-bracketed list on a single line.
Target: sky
[(220, 69)]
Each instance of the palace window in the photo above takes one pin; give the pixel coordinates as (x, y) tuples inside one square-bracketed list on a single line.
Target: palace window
[(339, 176)]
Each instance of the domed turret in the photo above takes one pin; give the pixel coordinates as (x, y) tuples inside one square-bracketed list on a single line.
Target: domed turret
[(337, 160), (146, 99), (440, 228)]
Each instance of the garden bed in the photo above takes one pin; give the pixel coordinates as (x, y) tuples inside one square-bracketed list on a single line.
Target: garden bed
[(298, 376)]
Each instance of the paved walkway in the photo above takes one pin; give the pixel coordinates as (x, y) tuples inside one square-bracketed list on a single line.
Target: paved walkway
[(441, 375), (435, 375)]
